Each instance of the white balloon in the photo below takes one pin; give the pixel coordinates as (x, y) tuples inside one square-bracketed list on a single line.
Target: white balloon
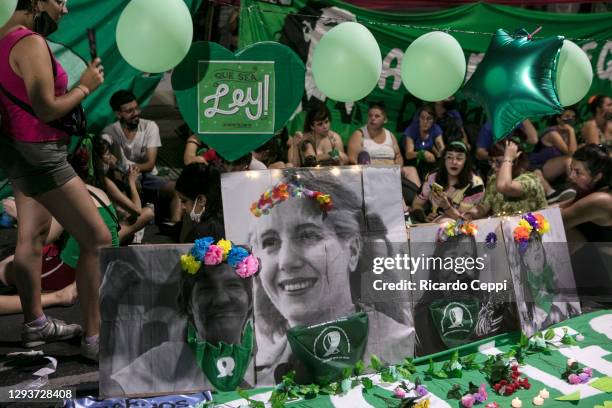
[(433, 67), (347, 63), (574, 74), (7, 8)]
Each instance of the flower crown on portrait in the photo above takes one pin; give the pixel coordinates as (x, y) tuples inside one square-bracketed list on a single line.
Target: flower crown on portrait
[(455, 228), (282, 192), (205, 251), (527, 224)]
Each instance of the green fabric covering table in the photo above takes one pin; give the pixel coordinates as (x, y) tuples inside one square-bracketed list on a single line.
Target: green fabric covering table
[(543, 370)]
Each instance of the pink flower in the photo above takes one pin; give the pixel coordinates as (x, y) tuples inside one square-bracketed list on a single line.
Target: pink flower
[(588, 371), (573, 379), (214, 255), (399, 393), (249, 266), (467, 401), (492, 405)]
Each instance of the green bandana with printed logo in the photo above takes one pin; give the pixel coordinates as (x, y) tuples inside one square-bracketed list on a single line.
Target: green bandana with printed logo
[(328, 348), (455, 320), (224, 365)]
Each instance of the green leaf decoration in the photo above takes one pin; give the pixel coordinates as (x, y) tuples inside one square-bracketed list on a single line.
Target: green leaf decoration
[(524, 341), (376, 364), (367, 383), (574, 396), (603, 384), (347, 373), (455, 392), (359, 367), (550, 334)]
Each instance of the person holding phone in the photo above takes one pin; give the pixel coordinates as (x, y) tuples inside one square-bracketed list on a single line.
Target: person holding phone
[(33, 152), (452, 190)]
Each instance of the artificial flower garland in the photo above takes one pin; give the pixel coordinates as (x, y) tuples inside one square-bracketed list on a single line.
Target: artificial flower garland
[(527, 224), (282, 192), (204, 250), (456, 228)]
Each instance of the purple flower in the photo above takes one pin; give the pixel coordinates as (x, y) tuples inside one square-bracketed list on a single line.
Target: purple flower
[(421, 390), (523, 245), (573, 379), (491, 240), (468, 401), (584, 377), (482, 395), (532, 220), (588, 371)]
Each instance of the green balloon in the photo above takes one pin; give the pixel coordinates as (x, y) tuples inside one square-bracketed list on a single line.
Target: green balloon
[(574, 74), (433, 67), (347, 63), (515, 80), (7, 8), (154, 35)]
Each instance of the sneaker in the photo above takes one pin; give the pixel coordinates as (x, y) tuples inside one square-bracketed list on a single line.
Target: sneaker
[(52, 330), (90, 351), (557, 196)]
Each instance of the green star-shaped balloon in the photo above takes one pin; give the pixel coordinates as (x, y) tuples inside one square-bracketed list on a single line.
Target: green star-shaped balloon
[(516, 80)]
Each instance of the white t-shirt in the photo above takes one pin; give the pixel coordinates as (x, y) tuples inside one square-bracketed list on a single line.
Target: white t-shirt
[(133, 151)]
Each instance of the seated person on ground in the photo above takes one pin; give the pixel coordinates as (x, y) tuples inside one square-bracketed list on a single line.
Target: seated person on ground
[(318, 145), (511, 190), (123, 191), (552, 155), (373, 144), (450, 191), (135, 141), (598, 129), (423, 141)]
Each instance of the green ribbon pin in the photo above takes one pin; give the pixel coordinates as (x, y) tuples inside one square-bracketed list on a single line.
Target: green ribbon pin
[(455, 320), (327, 349), (224, 365)]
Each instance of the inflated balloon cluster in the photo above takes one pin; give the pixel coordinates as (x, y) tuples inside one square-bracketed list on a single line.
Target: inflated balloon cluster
[(519, 77)]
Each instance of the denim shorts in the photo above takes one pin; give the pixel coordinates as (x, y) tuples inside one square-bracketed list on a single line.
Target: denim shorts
[(35, 168)]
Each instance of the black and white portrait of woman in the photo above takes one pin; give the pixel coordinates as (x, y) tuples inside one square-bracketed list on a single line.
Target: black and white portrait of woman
[(539, 261), (148, 303), (315, 232)]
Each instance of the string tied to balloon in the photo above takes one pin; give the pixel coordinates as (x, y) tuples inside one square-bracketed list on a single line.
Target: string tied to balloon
[(537, 30)]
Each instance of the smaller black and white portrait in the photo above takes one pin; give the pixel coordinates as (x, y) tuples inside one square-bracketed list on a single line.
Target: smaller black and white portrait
[(464, 285), (541, 269)]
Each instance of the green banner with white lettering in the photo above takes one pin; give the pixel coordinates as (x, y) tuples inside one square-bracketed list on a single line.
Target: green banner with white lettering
[(302, 25)]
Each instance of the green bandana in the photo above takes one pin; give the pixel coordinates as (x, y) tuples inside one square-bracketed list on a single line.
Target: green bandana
[(542, 288), (224, 365), (455, 320), (328, 348)]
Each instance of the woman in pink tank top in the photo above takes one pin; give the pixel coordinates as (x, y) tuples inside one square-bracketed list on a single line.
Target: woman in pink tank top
[(34, 155)]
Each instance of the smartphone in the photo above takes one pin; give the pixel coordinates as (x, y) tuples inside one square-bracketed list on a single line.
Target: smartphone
[(437, 188), (91, 37)]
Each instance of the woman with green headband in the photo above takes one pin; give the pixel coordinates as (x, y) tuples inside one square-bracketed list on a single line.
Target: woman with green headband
[(461, 188)]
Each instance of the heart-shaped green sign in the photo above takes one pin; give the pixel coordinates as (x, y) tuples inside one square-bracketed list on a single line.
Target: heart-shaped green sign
[(237, 102)]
